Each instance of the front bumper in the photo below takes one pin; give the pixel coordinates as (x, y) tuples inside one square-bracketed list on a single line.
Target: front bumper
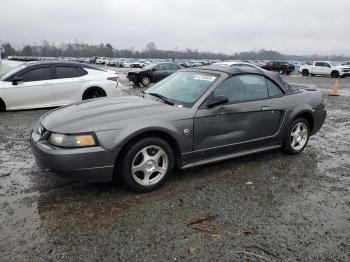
[(92, 164), (345, 74)]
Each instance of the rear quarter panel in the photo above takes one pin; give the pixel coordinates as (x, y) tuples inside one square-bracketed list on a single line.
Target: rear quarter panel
[(297, 104)]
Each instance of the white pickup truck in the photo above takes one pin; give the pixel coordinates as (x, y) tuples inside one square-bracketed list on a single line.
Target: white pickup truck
[(333, 69)]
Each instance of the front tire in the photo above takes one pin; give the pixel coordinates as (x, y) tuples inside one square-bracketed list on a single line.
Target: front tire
[(297, 136), (145, 80), (147, 164)]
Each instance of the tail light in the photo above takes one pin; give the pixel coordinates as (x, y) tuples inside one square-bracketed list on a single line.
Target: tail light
[(113, 78)]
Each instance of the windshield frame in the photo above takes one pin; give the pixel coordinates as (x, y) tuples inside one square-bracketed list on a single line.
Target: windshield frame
[(12, 71), (199, 99)]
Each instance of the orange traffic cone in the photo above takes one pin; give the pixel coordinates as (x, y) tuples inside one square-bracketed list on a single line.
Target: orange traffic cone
[(334, 91)]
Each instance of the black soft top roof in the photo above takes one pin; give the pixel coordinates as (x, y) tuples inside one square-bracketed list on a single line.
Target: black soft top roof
[(235, 70)]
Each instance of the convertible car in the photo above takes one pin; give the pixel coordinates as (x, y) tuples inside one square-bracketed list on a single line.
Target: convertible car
[(191, 118)]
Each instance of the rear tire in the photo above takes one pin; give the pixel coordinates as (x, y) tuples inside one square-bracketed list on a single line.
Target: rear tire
[(94, 92), (146, 164), (305, 72), (297, 136)]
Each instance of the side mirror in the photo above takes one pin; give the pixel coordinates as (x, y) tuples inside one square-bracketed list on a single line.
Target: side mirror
[(17, 79), (217, 100)]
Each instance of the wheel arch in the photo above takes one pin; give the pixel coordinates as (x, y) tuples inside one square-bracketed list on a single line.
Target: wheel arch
[(335, 71), (145, 74), (159, 133), (86, 88), (2, 105), (308, 116)]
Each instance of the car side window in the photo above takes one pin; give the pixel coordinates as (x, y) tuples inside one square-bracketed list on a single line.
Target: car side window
[(173, 67), (163, 67), (37, 74), (81, 72), (66, 72), (318, 64), (243, 88), (273, 89)]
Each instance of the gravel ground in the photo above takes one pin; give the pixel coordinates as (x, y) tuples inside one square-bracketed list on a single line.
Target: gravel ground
[(264, 207)]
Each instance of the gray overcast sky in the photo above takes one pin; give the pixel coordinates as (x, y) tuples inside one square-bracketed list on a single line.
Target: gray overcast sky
[(291, 27)]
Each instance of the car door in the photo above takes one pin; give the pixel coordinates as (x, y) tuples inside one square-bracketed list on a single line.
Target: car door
[(318, 68), (249, 120), (36, 89), (160, 72), (326, 69), (68, 84)]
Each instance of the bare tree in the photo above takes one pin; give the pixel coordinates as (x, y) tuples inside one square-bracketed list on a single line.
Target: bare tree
[(151, 49)]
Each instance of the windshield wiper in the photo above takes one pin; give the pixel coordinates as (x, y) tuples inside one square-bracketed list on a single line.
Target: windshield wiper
[(163, 98)]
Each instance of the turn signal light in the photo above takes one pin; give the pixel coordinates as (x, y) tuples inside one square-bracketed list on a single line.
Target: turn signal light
[(113, 78)]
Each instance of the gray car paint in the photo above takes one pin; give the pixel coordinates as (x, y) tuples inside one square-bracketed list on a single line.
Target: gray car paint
[(214, 133)]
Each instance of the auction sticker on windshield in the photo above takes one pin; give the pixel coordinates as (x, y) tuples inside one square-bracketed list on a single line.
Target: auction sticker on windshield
[(204, 78)]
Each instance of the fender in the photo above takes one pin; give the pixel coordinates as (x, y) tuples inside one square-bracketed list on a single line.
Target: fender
[(119, 138)]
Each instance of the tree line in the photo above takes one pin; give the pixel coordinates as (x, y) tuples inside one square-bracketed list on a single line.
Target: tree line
[(81, 49)]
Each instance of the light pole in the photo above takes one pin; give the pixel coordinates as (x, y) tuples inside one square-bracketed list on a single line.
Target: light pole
[(2, 50)]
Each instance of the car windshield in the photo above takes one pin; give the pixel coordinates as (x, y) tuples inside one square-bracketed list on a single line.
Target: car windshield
[(11, 71), (183, 88), (149, 66)]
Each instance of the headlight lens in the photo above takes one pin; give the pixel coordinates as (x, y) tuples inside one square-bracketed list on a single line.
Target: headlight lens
[(72, 140)]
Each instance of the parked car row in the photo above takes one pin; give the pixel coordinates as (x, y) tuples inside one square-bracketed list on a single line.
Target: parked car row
[(306, 68)]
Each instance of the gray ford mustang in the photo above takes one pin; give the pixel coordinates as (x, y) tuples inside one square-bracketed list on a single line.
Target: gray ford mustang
[(193, 117)]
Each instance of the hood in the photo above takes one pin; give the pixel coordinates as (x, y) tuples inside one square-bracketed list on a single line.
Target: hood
[(107, 113), (137, 70)]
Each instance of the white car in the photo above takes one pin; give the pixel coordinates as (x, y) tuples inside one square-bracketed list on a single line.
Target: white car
[(101, 60), (54, 83), (128, 63), (236, 64), (327, 68)]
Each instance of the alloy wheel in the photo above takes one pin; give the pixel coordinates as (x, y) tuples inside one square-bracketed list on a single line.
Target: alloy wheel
[(149, 165), (299, 136), (146, 81)]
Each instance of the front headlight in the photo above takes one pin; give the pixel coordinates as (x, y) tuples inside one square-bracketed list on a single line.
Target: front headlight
[(62, 140)]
